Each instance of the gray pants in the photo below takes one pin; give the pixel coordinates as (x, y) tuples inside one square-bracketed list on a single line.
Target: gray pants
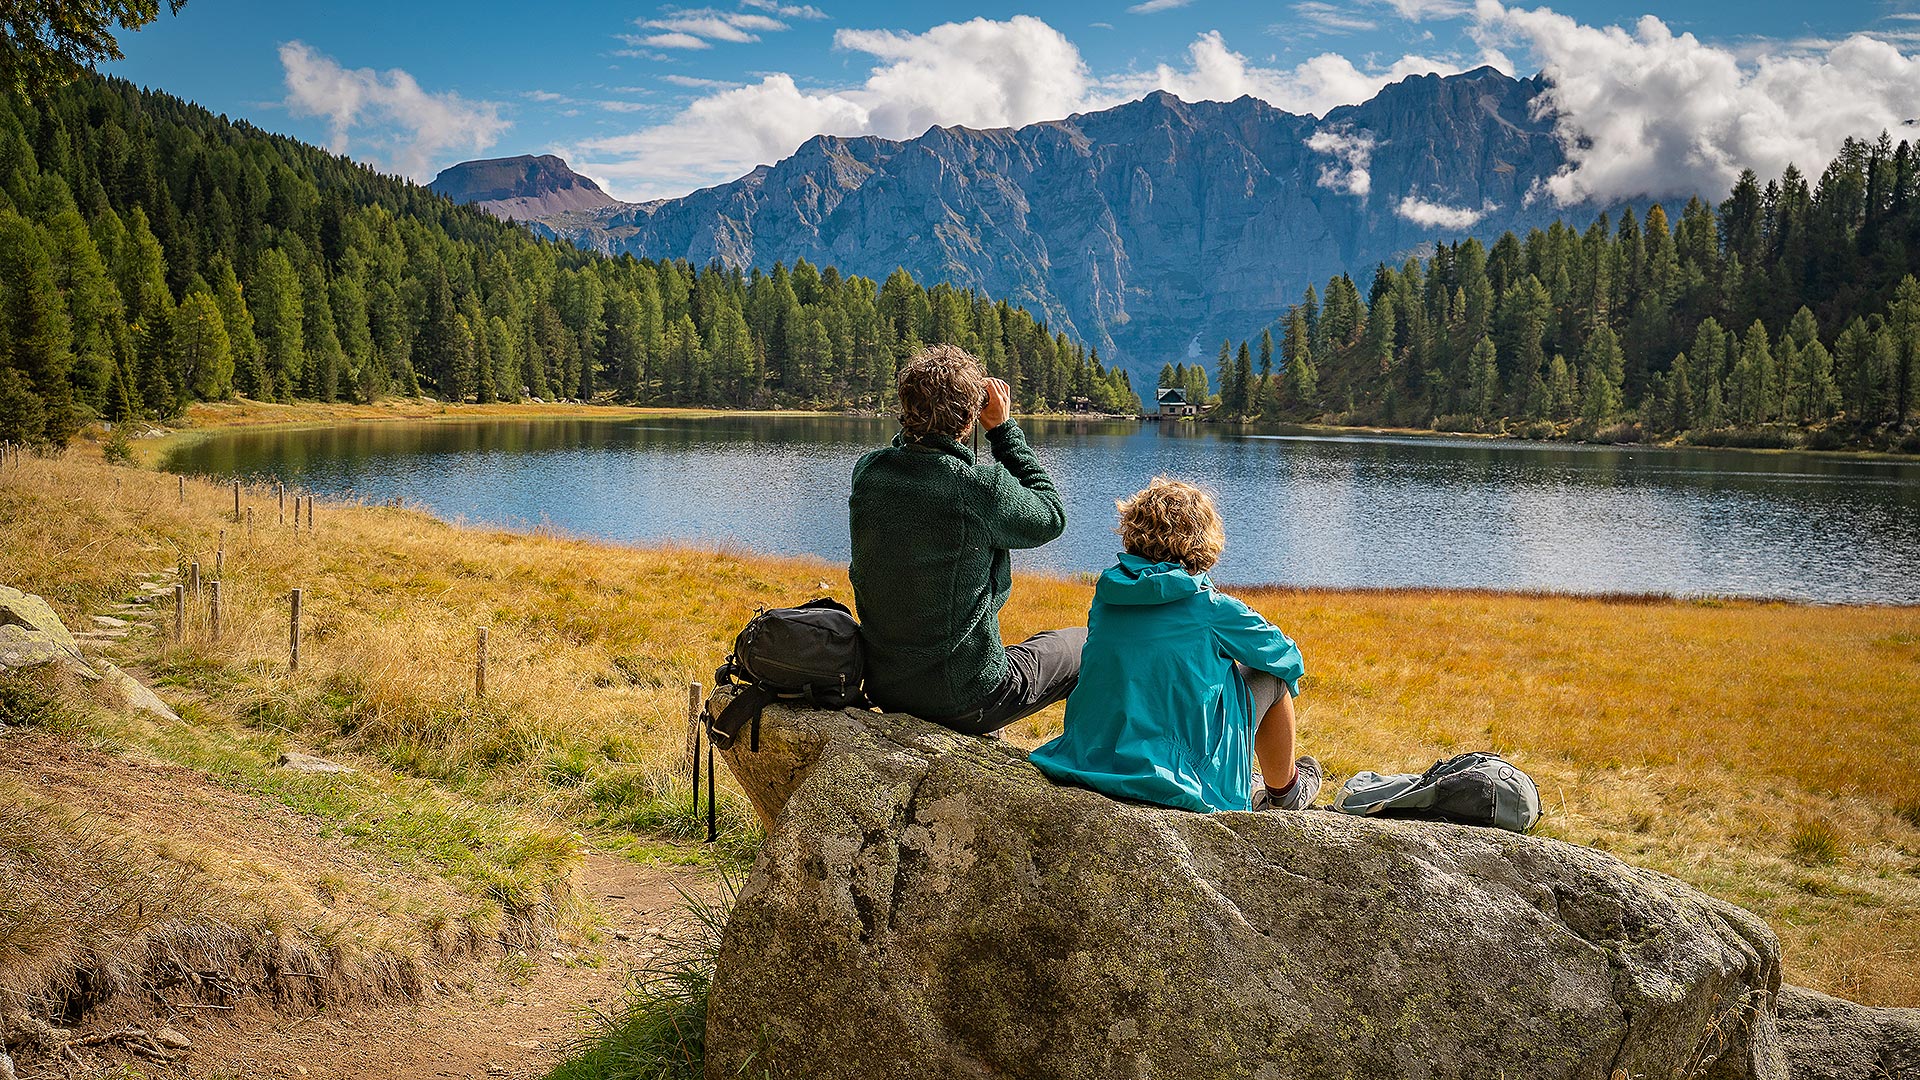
[(1040, 671), (1266, 688)]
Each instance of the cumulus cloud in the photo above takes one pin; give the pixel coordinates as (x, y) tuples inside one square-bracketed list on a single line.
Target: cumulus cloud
[(1644, 112), (411, 128), (1435, 215), (675, 40), (1352, 152), (1428, 10), (1151, 6), (785, 11), (980, 73)]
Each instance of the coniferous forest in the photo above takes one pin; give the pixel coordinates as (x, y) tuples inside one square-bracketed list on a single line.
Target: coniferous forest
[(153, 254), (1789, 314)]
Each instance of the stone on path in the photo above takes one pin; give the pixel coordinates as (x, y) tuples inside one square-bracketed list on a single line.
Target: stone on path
[(308, 763), (929, 905), (31, 634)]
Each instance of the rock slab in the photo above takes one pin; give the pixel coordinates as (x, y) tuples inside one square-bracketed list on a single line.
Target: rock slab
[(928, 905), (1829, 1038), (31, 634)]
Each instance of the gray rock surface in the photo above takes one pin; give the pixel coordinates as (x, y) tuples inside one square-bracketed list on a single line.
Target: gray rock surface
[(928, 905), (31, 634), (1828, 1038), (1139, 229), (133, 693)]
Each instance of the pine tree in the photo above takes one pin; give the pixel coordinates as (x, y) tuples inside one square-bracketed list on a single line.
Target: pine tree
[(275, 301), (1483, 390), (1601, 375), (200, 340)]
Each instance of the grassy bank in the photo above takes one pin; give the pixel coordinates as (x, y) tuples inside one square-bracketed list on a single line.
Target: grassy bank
[(1769, 753)]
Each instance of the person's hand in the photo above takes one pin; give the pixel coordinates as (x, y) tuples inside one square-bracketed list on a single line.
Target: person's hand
[(999, 403)]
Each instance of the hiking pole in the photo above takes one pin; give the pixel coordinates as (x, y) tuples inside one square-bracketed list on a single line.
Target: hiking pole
[(712, 832), (693, 742)]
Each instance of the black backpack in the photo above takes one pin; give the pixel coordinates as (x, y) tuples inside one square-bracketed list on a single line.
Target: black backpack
[(810, 653)]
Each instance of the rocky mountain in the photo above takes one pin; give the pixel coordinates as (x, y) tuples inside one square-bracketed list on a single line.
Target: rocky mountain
[(1153, 229), (523, 188)]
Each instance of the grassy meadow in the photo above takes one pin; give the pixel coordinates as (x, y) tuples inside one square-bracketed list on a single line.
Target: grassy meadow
[(1768, 753)]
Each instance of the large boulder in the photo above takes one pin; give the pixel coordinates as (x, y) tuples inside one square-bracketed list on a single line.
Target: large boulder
[(31, 634), (928, 905), (1828, 1038)]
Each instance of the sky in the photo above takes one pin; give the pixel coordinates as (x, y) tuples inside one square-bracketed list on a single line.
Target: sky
[(656, 100)]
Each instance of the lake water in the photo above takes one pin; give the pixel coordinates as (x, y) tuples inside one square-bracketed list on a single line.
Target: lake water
[(1301, 508)]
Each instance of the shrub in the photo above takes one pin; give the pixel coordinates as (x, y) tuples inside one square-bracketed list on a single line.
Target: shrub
[(117, 449)]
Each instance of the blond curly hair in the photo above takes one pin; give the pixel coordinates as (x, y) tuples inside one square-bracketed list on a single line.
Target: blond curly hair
[(941, 391), (1173, 521)]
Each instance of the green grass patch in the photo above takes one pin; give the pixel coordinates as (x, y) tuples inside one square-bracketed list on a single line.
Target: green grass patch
[(1814, 843), (660, 1031)]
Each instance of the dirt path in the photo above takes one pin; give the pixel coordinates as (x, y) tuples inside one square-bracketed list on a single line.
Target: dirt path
[(502, 1018)]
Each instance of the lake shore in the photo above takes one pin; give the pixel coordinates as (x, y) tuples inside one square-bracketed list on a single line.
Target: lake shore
[(207, 418), (1761, 751)]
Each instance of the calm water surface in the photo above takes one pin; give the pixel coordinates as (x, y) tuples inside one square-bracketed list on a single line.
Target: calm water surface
[(1303, 509)]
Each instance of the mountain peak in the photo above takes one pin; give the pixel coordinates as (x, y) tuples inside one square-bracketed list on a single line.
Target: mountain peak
[(523, 187)]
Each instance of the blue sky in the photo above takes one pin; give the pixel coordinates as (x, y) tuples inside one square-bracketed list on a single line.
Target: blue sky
[(656, 99)]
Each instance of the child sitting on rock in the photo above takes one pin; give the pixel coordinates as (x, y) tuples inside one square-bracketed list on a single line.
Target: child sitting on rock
[(1174, 673)]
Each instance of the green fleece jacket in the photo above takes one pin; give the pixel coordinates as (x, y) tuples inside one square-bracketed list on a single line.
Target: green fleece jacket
[(931, 569)]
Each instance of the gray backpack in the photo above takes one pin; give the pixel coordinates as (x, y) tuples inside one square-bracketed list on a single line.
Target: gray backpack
[(1472, 789)]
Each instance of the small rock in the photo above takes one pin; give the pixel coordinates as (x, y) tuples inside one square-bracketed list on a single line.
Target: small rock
[(494, 1068), (172, 1040), (558, 956), (623, 935), (110, 622), (309, 763)]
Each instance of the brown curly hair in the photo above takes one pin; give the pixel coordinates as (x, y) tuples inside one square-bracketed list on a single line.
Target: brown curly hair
[(941, 391), (1173, 521)]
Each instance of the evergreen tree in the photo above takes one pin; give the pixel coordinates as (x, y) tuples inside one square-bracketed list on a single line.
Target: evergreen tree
[(200, 340)]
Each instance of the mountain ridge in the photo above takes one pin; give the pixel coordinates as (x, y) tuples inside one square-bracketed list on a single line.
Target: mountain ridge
[(520, 188), (1150, 229)]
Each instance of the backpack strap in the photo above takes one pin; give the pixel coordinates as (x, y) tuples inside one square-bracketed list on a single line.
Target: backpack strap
[(744, 709)]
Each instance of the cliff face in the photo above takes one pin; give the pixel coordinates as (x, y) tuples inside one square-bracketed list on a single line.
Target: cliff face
[(1151, 230), (522, 188)]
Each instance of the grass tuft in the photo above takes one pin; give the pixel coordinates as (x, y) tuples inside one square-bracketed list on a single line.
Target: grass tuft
[(660, 1031), (1815, 843)]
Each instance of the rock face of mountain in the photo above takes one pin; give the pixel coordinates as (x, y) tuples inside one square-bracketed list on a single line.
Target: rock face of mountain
[(1153, 229), (522, 188)]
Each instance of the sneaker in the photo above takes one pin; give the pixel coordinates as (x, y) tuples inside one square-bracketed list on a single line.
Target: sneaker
[(1306, 787)]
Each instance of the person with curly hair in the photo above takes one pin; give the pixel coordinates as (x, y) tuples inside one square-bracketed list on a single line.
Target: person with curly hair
[(933, 532), (1175, 672)]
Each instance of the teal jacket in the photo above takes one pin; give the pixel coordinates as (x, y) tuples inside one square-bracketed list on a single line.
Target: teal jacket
[(931, 570), (1160, 715)]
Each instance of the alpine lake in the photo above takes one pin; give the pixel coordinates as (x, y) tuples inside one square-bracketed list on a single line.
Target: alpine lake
[(1303, 508)]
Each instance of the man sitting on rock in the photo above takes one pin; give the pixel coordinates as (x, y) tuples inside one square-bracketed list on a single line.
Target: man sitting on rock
[(1176, 673), (932, 529)]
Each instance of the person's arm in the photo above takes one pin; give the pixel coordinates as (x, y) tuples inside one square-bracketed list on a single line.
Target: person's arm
[(1023, 509), (1245, 635)]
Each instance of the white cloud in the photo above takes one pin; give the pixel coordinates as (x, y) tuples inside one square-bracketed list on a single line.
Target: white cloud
[(697, 83), (411, 128), (1331, 18), (1648, 113), (675, 40), (980, 73), (1151, 6), (1435, 215), (1352, 152), (1428, 10), (785, 11)]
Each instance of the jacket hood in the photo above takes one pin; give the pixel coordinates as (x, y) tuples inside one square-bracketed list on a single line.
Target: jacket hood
[(1136, 581)]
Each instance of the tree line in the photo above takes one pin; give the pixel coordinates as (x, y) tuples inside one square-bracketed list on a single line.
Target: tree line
[(1788, 313), (153, 254)]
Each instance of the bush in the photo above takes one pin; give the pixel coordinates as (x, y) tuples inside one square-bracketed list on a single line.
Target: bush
[(1743, 438), (1911, 444), (1618, 433), (660, 1033), (118, 450)]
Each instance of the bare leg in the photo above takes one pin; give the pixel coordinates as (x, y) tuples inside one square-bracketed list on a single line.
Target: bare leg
[(1273, 742)]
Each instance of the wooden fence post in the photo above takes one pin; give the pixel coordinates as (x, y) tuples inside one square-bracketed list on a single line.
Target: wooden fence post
[(236, 502), (309, 513), (220, 556), (293, 636), (213, 606), (193, 579), (179, 612), (283, 503), (183, 490), (249, 522), (693, 742), (480, 663)]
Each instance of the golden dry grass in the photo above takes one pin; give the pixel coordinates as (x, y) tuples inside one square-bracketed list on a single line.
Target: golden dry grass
[(1769, 753)]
